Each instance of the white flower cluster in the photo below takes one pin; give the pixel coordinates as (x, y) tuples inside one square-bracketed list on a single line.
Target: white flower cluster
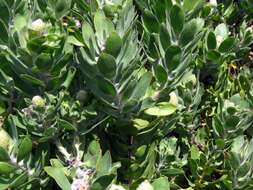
[(81, 181), (38, 25)]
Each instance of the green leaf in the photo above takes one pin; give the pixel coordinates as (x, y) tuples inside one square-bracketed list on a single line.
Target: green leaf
[(94, 148), (161, 74), (4, 186), (104, 165), (164, 37), (211, 41), (227, 45), (4, 35), (191, 28), (140, 123), (6, 168), (107, 65), (62, 8), (213, 55), (161, 183), (150, 22), (142, 86), (43, 62), (66, 125), (177, 18), (113, 44), (72, 40), (70, 76), (19, 22), (102, 183), (172, 57), (173, 171), (106, 87), (191, 4), (19, 180), (4, 156), (195, 153), (32, 80), (24, 148), (5, 11), (161, 109), (59, 177)]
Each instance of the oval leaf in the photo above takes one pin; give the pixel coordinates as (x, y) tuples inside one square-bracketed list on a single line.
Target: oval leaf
[(113, 44), (4, 156), (6, 168), (150, 22), (177, 19), (190, 30), (161, 109), (227, 45), (211, 41), (66, 125), (24, 149), (164, 37), (172, 57), (107, 65), (59, 177)]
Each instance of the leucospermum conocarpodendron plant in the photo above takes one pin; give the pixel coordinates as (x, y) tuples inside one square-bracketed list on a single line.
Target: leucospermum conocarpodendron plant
[(126, 94)]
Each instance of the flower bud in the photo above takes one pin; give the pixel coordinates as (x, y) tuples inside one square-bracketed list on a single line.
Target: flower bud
[(116, 187), (38, 25), (38, 102), (145, 185), (5, 139), (173, 99), (82, 96), (213, 2)]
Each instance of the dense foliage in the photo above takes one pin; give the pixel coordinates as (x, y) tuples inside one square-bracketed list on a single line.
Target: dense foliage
[(126, 94)]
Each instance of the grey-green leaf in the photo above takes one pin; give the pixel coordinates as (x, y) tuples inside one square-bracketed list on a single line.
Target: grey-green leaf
[(103, 26), (192, 28), (161, 183), (142, 86), (59, 177)]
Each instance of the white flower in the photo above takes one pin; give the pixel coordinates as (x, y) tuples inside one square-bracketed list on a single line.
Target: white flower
[(116, 187), (79, 184), (78, 23), (213, 2), (38, 25), (109, 2), (173, 99), (38, 101), (219, 39), (145, 185)]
